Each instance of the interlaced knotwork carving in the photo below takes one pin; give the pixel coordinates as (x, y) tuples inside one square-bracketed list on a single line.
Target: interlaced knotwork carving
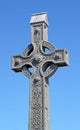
[(36, 105)]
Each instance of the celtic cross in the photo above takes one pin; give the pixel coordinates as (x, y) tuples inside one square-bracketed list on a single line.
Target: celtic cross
[(38, 62)]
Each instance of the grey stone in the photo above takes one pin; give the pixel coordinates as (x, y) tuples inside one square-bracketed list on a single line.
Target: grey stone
[(44, 63)]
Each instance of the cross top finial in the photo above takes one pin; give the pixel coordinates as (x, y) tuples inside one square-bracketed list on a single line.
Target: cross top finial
[(39, 17)]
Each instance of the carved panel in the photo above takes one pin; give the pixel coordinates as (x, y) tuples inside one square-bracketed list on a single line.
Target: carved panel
[(37, 33), (36, 104)]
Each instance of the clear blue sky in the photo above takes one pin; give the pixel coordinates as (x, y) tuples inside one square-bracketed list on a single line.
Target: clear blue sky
[(64, 86)]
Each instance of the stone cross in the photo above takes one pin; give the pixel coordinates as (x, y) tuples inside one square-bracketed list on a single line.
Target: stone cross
[(38, 62)]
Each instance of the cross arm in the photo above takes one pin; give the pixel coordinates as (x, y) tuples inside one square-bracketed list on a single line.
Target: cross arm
[(58, 57), (18, 62), (61, 57)]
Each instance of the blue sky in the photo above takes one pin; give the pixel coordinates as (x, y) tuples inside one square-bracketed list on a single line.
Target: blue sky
[(64, 86)]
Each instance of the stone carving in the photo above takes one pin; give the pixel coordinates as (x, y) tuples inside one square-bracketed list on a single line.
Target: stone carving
[(36, 117), (36, 35), (44, 64)]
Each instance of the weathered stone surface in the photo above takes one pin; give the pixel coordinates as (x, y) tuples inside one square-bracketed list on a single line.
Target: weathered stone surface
[(44, 63)]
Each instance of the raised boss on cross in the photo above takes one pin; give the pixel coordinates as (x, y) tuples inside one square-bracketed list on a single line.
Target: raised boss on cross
[(44, 64)]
